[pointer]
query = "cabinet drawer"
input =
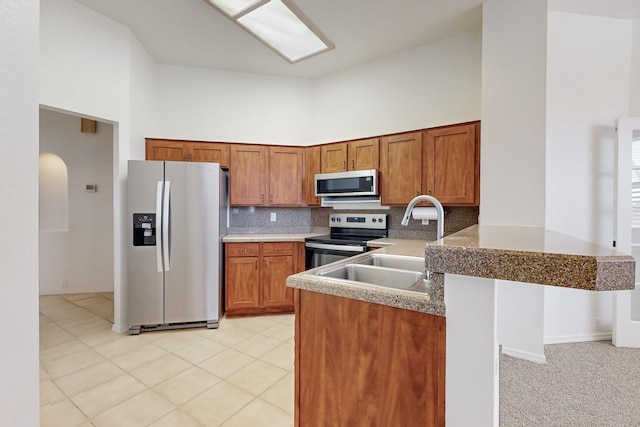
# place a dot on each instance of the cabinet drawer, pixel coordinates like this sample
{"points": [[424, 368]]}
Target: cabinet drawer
{"points": [[277, 248], [243, 249]]}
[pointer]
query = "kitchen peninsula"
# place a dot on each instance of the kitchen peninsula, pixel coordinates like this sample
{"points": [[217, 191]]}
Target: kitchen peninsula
{"points": [[380, 355]]}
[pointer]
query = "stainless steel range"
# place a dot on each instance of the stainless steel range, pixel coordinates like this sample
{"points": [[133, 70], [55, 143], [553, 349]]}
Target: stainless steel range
{"points": [[349, 236]]}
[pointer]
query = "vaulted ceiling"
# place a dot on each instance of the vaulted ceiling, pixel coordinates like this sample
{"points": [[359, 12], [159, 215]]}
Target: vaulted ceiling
{"points": [[192, 33]]}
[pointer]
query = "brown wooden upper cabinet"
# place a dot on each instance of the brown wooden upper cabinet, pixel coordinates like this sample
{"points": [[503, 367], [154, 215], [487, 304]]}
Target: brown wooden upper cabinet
{"points": [[286, 176], [352, 155], [209, 152], [248, 175], [363, 154], [165, 149], [400, 168], [451, 164], [188, 151], [311, 167], [441, 162], [266, 175], [333, 157]]}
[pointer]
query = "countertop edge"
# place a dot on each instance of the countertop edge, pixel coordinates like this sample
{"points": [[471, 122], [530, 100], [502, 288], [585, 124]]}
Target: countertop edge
{"points": [[267, 237], [462, 253]]}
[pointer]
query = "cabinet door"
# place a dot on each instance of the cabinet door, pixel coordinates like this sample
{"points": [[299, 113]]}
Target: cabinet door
{"points": [[364, 154], [243, 283], [311, 168], [334, 157], [248, 175], [165, 149], [346, 373], [286, 176], [209, 152], [400, 168], [450, 164], [275, 270]]}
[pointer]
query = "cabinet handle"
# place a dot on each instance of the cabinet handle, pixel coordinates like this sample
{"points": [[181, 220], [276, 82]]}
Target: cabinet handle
{"points": [[184, 158], [271, 199], [417, 193], [263, 198], [344, 165], [190, 158], [256, 264], [353, 165]]}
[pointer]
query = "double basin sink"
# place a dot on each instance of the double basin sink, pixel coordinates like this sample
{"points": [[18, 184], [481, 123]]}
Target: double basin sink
{"points": [[380, 270]]}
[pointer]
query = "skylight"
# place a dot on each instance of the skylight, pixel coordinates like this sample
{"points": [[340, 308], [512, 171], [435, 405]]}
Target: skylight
{"points": [[278, 24]]}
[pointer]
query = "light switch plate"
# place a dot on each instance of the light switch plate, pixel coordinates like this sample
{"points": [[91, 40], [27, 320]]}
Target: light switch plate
{"points": [[273, 217]]}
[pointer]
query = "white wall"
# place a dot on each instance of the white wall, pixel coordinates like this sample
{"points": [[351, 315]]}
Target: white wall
{"points": [[588, 87], [427, 86], [19, 213], [142, 92], [93, 66], [84, 61], [82, 254], [212, 105], [634, 92], [513, 113], [512, 176]]}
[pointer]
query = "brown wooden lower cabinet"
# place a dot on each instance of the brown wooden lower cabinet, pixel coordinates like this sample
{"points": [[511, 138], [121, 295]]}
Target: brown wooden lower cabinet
{"points": [[364, 364], [256, 274]]}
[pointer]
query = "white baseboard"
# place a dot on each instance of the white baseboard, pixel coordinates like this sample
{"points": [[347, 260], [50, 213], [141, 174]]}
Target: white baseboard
{"points": [[532, 357], [594, 336], [74, 291], [119, 329]]}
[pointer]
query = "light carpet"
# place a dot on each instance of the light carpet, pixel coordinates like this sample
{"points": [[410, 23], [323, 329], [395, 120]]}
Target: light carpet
{"points": [[582, 384]]}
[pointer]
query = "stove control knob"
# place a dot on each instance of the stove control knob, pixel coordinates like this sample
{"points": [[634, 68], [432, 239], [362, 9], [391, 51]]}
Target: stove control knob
{"points": [[379, 220], [333, 219], [373, 220], [338, 219]]}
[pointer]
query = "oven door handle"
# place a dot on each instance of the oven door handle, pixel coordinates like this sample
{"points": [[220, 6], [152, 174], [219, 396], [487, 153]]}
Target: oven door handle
{"points": [[343, 248]]}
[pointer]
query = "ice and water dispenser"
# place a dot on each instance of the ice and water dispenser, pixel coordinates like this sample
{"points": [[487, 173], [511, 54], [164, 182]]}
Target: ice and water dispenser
{"points": [[144, 229]]}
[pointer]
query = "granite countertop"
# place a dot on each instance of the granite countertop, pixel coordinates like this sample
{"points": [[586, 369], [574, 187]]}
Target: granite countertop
{"points": [[267, 237], [531, 255], [430, 302], [521, 254]]}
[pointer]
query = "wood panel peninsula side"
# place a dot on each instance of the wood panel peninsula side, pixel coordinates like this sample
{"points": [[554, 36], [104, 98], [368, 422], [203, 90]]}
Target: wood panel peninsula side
{"points": [[376, 356]]}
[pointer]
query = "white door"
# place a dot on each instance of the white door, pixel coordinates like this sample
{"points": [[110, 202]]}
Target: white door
{"points": [[626, 326]]}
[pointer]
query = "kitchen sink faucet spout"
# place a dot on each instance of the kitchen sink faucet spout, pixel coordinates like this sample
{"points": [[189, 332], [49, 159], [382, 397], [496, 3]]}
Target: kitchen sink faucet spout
{"points": [[439, 212]]}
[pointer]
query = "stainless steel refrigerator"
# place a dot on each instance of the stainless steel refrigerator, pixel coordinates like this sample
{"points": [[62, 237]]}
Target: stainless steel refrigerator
{"points": [[178, 216]]}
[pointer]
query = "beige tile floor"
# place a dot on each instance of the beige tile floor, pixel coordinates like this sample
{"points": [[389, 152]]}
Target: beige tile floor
{"points": [[238, 375]]}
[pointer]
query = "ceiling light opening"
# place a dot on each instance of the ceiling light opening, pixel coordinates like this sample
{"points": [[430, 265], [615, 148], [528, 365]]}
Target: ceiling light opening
{"points": [[279, 24]]}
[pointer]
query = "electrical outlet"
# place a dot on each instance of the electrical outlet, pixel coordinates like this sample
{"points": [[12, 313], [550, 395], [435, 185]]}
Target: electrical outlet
{"points": [[596, 324], [273, 217]]}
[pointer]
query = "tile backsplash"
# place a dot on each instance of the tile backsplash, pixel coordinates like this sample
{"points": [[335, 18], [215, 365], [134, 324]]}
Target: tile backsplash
{"points": [[258, 220], [455, 219], [316, 220]]}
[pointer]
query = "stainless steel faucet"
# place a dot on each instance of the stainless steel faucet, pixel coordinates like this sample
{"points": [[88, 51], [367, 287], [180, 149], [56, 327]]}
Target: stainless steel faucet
{"points": [[439, 218], [439, 212]]}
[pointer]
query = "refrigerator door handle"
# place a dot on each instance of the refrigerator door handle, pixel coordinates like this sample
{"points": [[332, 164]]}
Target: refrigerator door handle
{"points": [[166, 221], [159, 220]]}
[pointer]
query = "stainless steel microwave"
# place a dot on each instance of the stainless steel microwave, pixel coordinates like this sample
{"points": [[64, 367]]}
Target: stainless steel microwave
{"points": [[351, 183]]}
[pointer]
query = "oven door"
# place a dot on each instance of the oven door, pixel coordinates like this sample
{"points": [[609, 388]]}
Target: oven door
{"points": [[318, 254]]}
